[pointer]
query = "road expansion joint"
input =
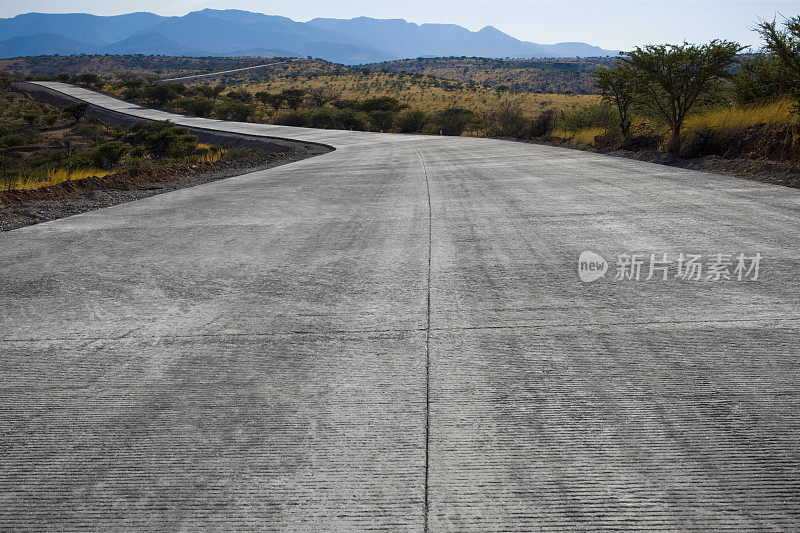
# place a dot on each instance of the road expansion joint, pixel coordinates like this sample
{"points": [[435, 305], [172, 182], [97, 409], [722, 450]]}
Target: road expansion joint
{"points": [[427, 343]]}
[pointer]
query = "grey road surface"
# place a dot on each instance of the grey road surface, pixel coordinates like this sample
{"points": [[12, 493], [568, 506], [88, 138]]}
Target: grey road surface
{"points": [[394, 336]]}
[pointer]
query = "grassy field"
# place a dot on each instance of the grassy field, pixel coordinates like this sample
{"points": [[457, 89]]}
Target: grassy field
{"points": [[721, 122], [110, 65], [562, 75], [425, 93], [740, 117]]}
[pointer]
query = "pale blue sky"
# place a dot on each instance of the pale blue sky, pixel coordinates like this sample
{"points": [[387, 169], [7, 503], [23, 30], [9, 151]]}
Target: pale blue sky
{"points": [[609, 23]]}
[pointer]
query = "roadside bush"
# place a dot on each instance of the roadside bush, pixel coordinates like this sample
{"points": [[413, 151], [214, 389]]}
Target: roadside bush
{"points": [[293, 118], [161, 93], [454, 120], [544, 123], [345, 104], [108, 155], [508, 121], [86, 130], [759, 79], [76, 111], [50, 119], [31, 117], [5, 129], [293, 98], [381, 103], [138, 152], [201, 107], [240, 96], [132, 93], [164, 139], [12, 139], [323, 117], [237, 111], [597, 115], [381, 120], [411, 121], [105, 156], [90, 79]]}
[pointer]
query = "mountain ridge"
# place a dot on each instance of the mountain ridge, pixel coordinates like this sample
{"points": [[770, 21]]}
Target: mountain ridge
{"points": [[211, 32]]}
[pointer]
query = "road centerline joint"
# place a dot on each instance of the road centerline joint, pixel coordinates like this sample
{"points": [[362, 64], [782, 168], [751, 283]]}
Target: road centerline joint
{"points": [[427, 345]]}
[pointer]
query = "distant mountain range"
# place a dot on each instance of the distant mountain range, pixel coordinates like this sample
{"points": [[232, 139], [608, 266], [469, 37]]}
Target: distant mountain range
{"points": [[237, 33]]}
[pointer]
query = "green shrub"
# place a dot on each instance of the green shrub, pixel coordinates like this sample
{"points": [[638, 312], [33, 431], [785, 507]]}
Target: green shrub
{"points": [[293, 118], [508, 120], [323, 117], [759, 79], [31, 117], [596, 115], [381, 103], [108, 155], [240, 96], [201, 107], [86, 129], [50, 119], [345, 104], [544, 123], [411, 121], [381, 120], [347, 119], [132, 93], [454, 120], [12, 139], [293, 98], [81, 160], [90, 79], [237, 111], [161, 93], [164, 139], [76, 111], [5, 129]]}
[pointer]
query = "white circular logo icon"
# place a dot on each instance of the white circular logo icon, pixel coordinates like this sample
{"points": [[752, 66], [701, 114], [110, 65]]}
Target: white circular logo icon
{"points": [[591, 267]]}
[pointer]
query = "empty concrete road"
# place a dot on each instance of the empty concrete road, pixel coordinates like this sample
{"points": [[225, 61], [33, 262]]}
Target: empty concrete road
{"points": [[393, 336]]}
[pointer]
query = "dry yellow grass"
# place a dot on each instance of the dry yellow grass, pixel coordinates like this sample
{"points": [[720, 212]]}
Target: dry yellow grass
{"points": [[425, 93], [585, 136], [211, 153], [54, 177], [721, 119], [739, 117]]}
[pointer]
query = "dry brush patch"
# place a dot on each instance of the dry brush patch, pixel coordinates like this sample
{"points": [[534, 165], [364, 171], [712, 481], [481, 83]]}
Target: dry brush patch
{"points": [[426, 93]]}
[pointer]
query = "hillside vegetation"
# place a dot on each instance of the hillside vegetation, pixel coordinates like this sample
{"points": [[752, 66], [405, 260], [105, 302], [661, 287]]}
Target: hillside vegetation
{"points": [[729, 104], [153, 68], [562, 75], [426, 93], [41, 145]]}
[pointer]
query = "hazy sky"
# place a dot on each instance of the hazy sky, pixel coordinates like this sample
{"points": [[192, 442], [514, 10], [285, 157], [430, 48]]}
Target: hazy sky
{"points": [[607, 23]]}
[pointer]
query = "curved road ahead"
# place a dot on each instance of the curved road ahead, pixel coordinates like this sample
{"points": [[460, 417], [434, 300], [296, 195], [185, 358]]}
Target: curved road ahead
{"points": [[393, 336]]}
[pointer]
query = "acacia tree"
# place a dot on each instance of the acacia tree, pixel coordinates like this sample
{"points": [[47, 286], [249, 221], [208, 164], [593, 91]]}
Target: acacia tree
{"points": [[263, 97], [76, 111], [618, 87], [319, 96], [785, 45], [293, 97], [273, 99], [672, 79]]}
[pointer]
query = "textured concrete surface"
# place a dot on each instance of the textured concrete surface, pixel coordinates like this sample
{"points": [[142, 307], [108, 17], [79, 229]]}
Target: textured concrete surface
{"points": [[393, 336]]}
